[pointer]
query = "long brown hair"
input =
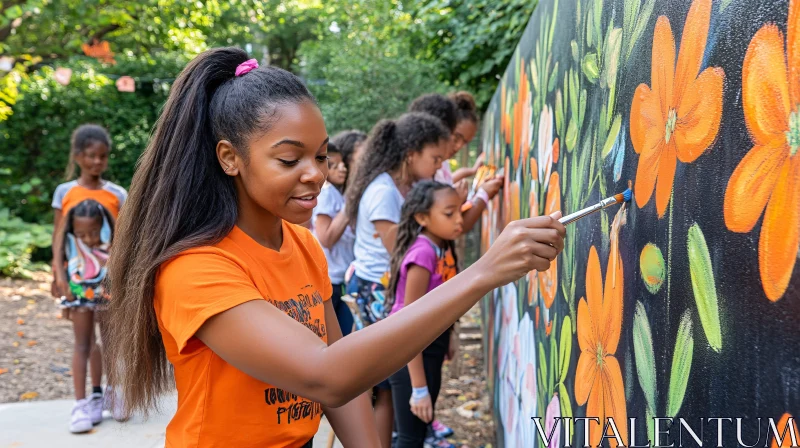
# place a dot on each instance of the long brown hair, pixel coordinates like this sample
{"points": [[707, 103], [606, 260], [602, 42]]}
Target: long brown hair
{"points": [[179, 199]]}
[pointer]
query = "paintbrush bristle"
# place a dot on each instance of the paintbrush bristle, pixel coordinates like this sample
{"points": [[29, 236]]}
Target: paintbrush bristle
{"points": [[625, 196]]}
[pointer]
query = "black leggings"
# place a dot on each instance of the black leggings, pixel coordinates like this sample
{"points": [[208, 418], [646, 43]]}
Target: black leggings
{"points": [[411, 431]]}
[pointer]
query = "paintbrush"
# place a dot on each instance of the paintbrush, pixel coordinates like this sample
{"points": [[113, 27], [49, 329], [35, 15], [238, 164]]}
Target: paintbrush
{"points": [[618, 198]]}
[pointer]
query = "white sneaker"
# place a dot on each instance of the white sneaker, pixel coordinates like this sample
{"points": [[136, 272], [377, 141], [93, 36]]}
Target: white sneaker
{"points": [[117, 407], [80, 422], [96, 408]]}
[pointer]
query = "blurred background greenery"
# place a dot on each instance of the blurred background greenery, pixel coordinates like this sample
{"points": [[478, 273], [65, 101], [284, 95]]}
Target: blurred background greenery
{"points": [[363, 59]]}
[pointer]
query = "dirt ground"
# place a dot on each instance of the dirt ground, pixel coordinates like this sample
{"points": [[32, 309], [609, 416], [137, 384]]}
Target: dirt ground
{"points": [[36, 352], [463, 403], [35, 343]]}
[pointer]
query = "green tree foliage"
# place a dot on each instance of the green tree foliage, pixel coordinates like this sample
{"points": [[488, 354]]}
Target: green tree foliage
{"points": [[472, 40], [360, 68]]}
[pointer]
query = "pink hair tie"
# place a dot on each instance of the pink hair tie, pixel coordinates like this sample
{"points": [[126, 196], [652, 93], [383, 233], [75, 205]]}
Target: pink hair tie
{"points": [[246, 66]]}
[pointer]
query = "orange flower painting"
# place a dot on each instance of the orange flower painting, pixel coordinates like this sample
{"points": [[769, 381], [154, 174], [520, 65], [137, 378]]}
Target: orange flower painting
{"points": [[598, 378], [678, 116], [768, 177], [787, 438], [523, 126], [548, 280]]}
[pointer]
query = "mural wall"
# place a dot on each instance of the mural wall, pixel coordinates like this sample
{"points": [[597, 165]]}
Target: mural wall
{"points": [[684, 302]]}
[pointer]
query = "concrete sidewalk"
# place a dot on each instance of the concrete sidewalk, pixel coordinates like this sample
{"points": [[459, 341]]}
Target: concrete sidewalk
{"points": [[45, 424]]}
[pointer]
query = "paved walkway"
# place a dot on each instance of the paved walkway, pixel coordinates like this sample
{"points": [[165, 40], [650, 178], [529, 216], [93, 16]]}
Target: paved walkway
{"points": [[45, 424]]}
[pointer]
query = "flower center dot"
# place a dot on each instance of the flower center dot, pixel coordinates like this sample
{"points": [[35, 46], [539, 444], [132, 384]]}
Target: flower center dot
{"points": [[599, 354], [672, 120]]}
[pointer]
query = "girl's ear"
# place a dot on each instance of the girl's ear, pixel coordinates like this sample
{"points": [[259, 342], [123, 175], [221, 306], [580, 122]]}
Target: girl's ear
{"points": [[227, 158], [422, 219]]}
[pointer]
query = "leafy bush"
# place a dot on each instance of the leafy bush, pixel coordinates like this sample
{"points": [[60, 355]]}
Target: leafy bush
{"points": [[35, 140], [18, 240], [472, 40]]}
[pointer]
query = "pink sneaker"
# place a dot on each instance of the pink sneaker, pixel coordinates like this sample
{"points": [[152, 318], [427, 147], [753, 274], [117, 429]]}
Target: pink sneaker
{"points": [[441, 429]]}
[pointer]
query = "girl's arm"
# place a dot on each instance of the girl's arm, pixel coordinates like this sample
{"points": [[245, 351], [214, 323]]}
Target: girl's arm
{"points": [[264, 342], [473, 215], [353, 423], [463, 173], [328, 230], [387, 231], [417, 281], [59, 286]]}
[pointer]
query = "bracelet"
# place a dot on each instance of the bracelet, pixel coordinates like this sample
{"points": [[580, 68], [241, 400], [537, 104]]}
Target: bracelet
{"points": [[419, 392], [482, 195]]}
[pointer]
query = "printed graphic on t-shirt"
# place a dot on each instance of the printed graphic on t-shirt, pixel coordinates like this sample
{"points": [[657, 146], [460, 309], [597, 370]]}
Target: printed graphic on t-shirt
{"points": [[446, 266], [288, 407], [299, 309]]}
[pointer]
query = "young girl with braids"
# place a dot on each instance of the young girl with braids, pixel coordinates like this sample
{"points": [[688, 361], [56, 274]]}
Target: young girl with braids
{"points": [[218, 292], [423, 259]]}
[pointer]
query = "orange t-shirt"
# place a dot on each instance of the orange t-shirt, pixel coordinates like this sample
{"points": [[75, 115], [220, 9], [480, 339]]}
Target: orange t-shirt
{"points": [[69, 194], [219, 405]]}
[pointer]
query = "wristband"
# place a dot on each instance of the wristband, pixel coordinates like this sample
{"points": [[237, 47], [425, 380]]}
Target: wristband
{"points": [[419, 392], [482, 195]]}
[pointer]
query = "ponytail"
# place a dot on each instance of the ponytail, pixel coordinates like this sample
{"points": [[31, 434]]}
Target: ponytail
{"points": [[381, 145]]}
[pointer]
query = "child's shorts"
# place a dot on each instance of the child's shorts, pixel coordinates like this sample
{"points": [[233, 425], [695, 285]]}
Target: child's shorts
{"points": [[369, 299], [86, 297]]}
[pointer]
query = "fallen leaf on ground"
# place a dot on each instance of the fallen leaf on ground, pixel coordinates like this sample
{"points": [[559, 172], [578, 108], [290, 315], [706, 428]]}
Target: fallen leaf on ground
{"points": [[20, 321], [2, 371], [31, 301], [16, 361], [15, 343], [17, 371], [29, 395], [32, 343], [20, 333]]}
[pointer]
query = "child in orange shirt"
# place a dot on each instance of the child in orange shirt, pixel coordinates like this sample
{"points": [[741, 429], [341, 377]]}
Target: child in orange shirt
{"points": [[89, 148], [211, 273]]}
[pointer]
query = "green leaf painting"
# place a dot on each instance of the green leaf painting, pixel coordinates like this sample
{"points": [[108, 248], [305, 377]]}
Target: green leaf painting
{"points": [[681, 366], [612, 135], [645, 359], [565, 348], [704, 287]]}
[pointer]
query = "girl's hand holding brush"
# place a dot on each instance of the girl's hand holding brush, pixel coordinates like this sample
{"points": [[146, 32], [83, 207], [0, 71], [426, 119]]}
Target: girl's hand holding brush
{"points": [[523, 246]]}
